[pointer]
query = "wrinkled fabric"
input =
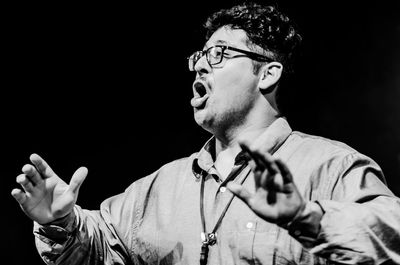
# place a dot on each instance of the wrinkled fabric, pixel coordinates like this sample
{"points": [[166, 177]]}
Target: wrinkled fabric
{"points": [[156, 220]]}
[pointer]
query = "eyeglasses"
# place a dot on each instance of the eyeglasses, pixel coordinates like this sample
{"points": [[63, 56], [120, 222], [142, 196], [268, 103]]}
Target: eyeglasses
{"points": [[215, 55]]}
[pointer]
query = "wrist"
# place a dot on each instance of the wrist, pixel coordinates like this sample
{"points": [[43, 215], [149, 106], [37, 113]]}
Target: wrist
{"points": [[63, 221], [67, 222], [57, 231], [300, 211], [306, 225]]}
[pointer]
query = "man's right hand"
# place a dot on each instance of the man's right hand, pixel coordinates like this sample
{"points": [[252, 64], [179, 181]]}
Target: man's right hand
{"points": [[45, 196]]}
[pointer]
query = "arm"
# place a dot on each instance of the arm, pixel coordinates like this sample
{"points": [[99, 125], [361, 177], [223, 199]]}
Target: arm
{"points": [[360, 223], [66, 234], [83, 237], [368, 211]]}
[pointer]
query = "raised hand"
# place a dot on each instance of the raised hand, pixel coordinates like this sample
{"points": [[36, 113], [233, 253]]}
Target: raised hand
{"points": [[45, 196], [276, 199]]}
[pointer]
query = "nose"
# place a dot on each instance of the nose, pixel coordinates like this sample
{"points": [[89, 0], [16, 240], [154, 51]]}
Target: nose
{"points": [[202, 66]]}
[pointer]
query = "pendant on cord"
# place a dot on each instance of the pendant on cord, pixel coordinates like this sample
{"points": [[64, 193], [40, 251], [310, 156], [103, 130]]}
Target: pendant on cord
{"points": [[209, 238]]}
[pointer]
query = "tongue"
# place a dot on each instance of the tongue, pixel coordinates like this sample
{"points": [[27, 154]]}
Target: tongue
{"points": [[198, 101]]}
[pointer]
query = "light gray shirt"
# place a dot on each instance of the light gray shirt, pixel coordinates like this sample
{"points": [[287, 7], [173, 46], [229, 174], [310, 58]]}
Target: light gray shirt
{"points": [[156, 220]]}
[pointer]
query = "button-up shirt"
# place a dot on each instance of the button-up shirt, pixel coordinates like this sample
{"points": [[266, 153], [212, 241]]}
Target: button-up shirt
{"points": [[156, 220]]}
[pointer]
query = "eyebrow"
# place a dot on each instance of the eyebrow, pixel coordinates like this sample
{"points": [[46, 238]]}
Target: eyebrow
{"points": [[221, 42], [216, 43]]}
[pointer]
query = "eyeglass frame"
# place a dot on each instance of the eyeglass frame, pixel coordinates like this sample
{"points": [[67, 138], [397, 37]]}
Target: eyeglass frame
{"points": [[249, 54]]}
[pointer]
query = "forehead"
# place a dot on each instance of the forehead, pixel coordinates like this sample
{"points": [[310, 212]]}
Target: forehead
{"points": [[227, 36]]}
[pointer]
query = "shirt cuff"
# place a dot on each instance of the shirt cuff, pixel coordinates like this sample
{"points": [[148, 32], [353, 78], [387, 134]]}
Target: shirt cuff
{"points": [[306, 226], [56, 231]]}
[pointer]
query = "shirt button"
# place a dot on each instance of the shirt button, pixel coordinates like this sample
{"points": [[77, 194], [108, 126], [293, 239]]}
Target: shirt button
{"points": [[297, 232], [249, 225], [222, 189]]}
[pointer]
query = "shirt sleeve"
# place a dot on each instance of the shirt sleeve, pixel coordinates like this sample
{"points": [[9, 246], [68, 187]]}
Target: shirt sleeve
{"points": [[359, 223], [91, 237]]}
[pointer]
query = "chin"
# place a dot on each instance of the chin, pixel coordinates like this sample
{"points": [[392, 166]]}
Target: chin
{"points": [[202, 120]]}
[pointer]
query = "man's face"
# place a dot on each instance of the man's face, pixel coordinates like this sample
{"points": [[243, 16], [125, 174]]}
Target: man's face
{"points": [[225, 94]]}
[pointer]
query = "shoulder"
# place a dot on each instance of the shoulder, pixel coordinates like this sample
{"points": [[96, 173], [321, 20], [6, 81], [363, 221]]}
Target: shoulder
{"points": [[180, 164], [319, 144], [168, 174], [322, 162], [168, 177], [311, 152]]}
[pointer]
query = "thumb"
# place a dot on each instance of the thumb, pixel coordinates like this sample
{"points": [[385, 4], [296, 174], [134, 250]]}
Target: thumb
{"points": [[77, 179], [239, 191]]}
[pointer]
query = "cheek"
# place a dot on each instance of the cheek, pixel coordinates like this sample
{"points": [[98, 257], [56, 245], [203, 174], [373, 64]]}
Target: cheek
{"points": [[238, 76], [234, 85], [237, 88], [230, 100]]}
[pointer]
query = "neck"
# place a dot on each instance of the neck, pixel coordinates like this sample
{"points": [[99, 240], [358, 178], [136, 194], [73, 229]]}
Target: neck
{"points": [[230, 144], [228, 140], [227, 147]]}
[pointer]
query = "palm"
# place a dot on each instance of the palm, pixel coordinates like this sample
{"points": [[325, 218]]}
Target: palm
{"points": [[275, 206], [49, 201], [46, 197]]}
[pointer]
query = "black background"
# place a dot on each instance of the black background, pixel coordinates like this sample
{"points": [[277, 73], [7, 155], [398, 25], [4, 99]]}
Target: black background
{"points": [[106, 86]]}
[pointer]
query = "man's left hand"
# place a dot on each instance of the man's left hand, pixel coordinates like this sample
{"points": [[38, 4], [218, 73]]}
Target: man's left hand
{"points": [[276, 198]]}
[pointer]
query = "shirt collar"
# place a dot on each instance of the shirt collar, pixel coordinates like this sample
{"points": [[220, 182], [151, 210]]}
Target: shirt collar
{"points": [[269, 141]]}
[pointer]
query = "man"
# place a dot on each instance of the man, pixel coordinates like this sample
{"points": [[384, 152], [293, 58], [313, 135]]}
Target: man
{"points": [[302, 199]]}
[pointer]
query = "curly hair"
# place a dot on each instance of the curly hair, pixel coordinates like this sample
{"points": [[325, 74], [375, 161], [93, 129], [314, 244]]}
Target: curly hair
{"points": [[265, 26]]}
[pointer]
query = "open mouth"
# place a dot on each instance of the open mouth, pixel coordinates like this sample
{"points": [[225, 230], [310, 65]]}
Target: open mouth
{"points": [[200, 95], [200, 89]]}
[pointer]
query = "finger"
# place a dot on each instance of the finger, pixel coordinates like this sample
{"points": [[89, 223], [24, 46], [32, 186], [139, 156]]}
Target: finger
{"points": [[272, 184], [271, 197], [262, 159], [18, 195], [270, 178], [240, 192], [273, 180], [246, 148], [285, 172], [77, 179], [43, 168], [269, 162], [266, 174], [25, 182], [262, 175], [267, 183], [256, 174], [277, 182], [31, 172]]}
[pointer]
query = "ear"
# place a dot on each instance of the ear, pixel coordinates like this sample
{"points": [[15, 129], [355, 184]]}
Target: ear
{"points": [[269, 76]]}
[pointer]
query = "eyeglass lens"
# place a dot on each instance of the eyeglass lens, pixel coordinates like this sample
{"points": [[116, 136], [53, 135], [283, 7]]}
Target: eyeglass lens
{"points": [[213, 56]]}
